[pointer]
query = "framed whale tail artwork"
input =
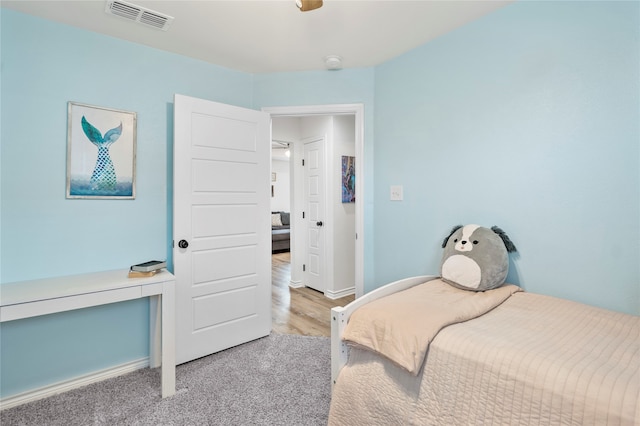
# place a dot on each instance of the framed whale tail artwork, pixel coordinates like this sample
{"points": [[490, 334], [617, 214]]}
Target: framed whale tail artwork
{"points": [[101, 152]]}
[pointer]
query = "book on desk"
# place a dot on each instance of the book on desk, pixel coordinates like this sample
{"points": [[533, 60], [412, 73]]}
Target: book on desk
{"points": [[146, 269]]}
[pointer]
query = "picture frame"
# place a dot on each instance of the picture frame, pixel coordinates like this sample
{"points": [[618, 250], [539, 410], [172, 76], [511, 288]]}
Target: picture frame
{"points": [[348, 179], [101, 152]]}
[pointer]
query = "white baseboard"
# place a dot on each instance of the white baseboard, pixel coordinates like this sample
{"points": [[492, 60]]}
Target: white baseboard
{"points": [[342, 293], [67, 385], [295, 284]]}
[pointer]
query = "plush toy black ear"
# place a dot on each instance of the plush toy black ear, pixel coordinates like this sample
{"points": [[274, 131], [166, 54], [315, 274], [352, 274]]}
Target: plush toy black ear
{"points": [[455, 228], [511, 248]]}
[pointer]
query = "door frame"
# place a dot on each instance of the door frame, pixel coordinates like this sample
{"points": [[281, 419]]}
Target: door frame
{"points": [[342, 109]]}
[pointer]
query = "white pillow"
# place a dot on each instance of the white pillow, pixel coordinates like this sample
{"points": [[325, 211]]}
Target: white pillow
{"points": [[275, 219]]}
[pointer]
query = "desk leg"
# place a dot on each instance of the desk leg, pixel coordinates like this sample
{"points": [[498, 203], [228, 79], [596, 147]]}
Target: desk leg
{"points": [[155, 329], [168, 339]]}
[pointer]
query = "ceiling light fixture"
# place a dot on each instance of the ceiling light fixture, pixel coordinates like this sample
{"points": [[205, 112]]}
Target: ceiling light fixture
{"points": [[333, 62], [276, 144], [306, 5]]}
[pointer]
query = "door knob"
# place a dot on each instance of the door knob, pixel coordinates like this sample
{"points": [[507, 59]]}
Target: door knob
{"points": [[183, 244], [319, 223]]}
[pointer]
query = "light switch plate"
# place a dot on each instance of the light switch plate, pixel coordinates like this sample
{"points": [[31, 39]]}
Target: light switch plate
{"points": [[396, 193]]}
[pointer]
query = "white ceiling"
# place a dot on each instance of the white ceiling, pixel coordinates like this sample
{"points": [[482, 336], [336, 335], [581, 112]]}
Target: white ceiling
{"points": [[273, 35]]}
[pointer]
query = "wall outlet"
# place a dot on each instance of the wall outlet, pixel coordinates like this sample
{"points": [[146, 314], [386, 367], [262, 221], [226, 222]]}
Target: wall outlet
{"points": [[396, 193]]}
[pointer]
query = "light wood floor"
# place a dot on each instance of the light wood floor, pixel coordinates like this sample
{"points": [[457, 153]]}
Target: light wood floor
{"points": [[298, 310]]}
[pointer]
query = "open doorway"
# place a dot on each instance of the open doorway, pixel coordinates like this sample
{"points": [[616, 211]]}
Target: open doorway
{"points": [[294, 130], [341, 128]]}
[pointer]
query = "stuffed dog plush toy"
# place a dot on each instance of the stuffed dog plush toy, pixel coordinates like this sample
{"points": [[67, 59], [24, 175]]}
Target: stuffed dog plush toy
{"points": [[475, 258]]}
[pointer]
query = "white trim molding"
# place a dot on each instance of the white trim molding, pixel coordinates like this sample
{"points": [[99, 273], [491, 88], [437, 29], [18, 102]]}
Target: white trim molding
{"points": [[338, 294], [295, 284]]}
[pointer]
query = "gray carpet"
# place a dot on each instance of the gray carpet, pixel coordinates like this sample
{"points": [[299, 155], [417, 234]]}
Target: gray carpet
{"points": [[276, 380]]}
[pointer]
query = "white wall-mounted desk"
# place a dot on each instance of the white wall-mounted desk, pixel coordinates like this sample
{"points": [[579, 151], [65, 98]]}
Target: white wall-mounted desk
{"points": [[25, 299]]}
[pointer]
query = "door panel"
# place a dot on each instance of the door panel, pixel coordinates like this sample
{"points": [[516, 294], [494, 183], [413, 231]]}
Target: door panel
{"points": [[220, 308], [239, 220], [221, 208], [230, 133], [227, 176], [213, 265]]}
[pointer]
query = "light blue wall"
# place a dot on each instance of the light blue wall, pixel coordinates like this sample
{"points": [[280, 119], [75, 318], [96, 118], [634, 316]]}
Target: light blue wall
{"points": [[527, 119], [349, 86], [44, 65]]}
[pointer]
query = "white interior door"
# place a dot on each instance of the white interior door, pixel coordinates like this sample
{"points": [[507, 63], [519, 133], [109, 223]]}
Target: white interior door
{"points": [[314, 214], [221, 226]]}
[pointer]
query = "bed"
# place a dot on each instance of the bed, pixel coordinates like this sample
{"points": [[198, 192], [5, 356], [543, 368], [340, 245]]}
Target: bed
{"points": [[404, 354]]}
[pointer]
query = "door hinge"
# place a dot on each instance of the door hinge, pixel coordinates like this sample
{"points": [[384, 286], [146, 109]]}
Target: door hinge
{"points": [[304, 267], [303, 162], [303, 215]]}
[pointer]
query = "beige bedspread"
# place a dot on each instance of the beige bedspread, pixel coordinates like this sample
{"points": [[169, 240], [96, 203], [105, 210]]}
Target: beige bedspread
{"points": [[533, 360], [402, 325]]}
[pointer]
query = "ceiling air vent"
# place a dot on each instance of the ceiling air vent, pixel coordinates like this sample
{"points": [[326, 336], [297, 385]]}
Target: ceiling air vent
{"points": [[139, 14]]}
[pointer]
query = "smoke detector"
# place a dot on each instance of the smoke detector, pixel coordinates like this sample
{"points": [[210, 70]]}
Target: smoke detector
{"points": [[139, 14], [333, 62]]}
